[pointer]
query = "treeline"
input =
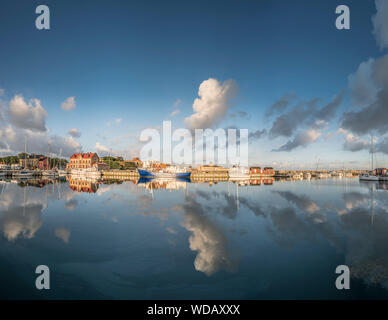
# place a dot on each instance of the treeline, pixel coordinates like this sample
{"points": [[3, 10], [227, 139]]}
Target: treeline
{"points": [[118, 163], [10, 160], [54, 162]]}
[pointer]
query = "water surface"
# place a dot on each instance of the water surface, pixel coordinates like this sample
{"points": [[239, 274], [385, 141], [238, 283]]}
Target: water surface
{"points": [[179, 240]]}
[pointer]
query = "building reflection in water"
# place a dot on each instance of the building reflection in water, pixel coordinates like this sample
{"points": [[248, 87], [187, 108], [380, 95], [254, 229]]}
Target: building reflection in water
{"points": [[83, 184]]}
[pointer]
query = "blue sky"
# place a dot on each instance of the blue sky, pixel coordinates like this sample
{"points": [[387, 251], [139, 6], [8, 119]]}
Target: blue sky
{"points": [[132, 60]]}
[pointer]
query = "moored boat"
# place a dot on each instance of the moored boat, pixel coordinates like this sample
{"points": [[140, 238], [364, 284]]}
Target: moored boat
{"points": [[238, 173], [89, 172], [23, 174], [368, 177]]}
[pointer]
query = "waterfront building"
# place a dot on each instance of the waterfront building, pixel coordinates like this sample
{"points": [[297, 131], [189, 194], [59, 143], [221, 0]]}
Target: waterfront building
{"points": [[269, 171], [255, 170], [380, 171], [210, 173], [83, 160], [43, 163], [30, 161]]}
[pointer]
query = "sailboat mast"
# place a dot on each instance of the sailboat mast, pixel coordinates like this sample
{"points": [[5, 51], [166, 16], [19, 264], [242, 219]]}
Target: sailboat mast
{"points": [[372, 150]]}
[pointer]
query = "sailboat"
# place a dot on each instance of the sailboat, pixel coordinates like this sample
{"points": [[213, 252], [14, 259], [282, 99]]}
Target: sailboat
{"points": [[50, 172], [370, 176]]}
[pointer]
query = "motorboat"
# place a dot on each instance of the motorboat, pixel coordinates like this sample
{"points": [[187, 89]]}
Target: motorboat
{"points": [[89, 172], [238, 173]]}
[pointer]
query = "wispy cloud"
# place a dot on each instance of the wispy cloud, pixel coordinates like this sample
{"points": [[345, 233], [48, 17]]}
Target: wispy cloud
{"points": [[177, 103], [175, 112]]}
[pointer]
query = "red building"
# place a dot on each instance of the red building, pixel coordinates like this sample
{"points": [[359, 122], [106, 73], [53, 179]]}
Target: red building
{"points": [[268, 171], [381, 171], [43, 163], [255, 170]]}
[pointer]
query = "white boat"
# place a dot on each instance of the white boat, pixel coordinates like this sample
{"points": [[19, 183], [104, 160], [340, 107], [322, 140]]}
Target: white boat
{"points": [[23, 174], [49, 173], [89, 172], [307, 175], [238, 173], [368, 177], [62, 173]]}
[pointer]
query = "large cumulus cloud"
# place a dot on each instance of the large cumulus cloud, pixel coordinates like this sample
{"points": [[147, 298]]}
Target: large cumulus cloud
{"points": [[29, 115], [23, 122], [212, 104]]}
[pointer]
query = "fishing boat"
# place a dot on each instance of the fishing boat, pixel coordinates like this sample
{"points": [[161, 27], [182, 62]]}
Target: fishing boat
{"points": [[168, 173], [182, 173], [145, 173]]}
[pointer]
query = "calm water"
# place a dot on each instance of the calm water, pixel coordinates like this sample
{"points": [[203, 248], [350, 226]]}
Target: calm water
{"points": [[183, 240]]}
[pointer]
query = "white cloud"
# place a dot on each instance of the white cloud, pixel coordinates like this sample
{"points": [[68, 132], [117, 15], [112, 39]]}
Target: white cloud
{"points": [[212, 104], [118, 120], [380, 23], [101, 148], [2, 91], [74, 132], [68, 104], [27, 116]]}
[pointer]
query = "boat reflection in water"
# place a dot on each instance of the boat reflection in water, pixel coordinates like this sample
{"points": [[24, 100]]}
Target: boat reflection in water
{"points": [[155, 238]]}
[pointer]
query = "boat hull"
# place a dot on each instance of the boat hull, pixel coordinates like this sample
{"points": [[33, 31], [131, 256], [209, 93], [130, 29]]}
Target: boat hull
{"points": [[145, 173], [183, 175], [369, 178]]}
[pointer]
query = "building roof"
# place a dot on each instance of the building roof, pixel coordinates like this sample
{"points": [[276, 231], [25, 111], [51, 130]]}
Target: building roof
{"points": [[87, 155]]}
